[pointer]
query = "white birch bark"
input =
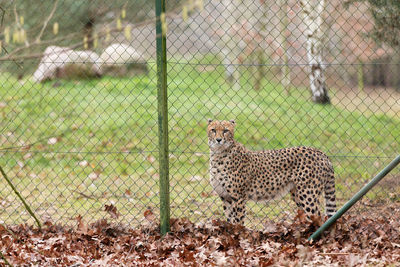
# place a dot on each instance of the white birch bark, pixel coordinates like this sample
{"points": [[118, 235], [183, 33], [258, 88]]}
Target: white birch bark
{"points": [[260, 13], [312, 11], [284, 43], [229, 41]]}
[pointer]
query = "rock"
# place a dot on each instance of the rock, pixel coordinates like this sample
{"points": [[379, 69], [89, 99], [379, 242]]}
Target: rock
{"points": [[122, 60], [120, 54], [63, 62]]}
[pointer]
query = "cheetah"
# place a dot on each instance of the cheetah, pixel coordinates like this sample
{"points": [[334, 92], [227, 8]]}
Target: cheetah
{"points": [[238, 174]]}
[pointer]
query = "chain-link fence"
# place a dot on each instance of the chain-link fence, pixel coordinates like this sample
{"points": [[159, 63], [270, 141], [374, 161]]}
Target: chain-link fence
{"points": [[78, 101]]}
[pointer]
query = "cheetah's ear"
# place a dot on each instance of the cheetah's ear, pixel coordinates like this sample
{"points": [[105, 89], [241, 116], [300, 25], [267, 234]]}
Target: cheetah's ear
{"points": [[233, 122], [209, 121]]}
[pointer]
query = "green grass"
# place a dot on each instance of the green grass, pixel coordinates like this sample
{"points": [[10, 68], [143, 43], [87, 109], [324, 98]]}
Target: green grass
{"points": [[112, 125]]}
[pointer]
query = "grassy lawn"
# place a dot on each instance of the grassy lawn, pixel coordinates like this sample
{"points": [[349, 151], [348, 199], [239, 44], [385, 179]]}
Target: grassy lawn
{"points": [[95, 142]]}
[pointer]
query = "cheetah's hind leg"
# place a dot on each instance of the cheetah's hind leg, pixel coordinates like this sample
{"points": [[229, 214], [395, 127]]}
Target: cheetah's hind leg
{"points": [[307, 202], [235, 210]]}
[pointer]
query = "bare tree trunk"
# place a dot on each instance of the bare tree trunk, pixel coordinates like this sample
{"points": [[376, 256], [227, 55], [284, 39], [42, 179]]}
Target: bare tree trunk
{"points": [[230, 41], [260, 73], [263, 14], [312, 13], [284, 42], [88, 29], [260, 48], [395, 68], [360, 76]]}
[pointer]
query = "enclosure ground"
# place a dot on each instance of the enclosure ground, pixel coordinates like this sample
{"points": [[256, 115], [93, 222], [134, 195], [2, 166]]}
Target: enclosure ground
{"points": [[73, 147], [366, 238]]}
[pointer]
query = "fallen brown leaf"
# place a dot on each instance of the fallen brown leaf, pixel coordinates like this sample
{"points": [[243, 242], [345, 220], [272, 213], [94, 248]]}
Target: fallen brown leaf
{"points": [[112, 210]]}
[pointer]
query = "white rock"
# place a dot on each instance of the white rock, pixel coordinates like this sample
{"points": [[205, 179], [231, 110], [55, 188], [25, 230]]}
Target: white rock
{"points": [[120, 54], [120, 60], [56, 58]]}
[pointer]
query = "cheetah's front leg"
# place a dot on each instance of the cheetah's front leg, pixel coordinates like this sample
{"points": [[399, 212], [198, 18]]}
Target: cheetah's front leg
{"points": [[235, 210]]}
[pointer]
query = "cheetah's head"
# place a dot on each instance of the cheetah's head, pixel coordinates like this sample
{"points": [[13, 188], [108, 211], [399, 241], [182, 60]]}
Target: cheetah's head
{"points": [[220, 134]]}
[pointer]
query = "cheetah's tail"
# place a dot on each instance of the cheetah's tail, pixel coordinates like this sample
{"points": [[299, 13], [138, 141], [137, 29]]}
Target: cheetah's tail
{"points": [[330, 199]]}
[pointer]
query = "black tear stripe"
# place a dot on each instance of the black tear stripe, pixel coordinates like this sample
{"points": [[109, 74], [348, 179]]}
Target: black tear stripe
{"points": [[227, 199]]}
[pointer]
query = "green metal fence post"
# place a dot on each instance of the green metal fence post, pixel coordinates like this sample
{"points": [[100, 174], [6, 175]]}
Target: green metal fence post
{"points": [[355, 198], [162, 115]]}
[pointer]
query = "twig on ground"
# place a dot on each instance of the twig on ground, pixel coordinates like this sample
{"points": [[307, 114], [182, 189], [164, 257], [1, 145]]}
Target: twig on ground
{"points": [[20, 197], [8, 231], [334, 254], [5, 260], [85, 195]]}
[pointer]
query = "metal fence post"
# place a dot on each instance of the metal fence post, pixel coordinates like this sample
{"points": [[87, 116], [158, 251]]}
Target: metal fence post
{"points": [[162, 115], [355, 198]]}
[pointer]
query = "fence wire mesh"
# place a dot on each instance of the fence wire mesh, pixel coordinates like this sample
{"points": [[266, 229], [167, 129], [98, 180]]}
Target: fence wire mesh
{"points": [[78, 101]]}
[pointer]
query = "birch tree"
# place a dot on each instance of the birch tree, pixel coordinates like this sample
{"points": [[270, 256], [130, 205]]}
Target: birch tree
{"points": [[312, 11], [228, 42], [260, 13], [283, 8]]}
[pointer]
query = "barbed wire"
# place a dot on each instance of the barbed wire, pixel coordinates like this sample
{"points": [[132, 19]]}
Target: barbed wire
{"points": [[36, 56], [280, 64], [171, 151]]}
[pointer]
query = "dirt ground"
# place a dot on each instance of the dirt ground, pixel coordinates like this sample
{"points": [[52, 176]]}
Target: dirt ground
{"points": [[365, 238], [370, 100]]}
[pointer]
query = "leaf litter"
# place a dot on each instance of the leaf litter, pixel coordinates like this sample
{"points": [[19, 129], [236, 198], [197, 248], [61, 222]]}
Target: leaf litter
{"points": [[358, 239]]}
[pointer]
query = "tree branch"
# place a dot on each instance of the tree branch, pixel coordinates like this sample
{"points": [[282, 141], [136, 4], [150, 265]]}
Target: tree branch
{"points": [[18, 24], [10, 56], [46, 22], [2, 15], [73, 46], [62, 38]]}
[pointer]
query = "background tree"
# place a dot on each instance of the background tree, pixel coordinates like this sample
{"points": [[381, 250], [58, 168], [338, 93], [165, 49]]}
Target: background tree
{"points": [[284, 36], [386, 30], [313, 11], [30, 26], [227, 28], [261, 50], [386, 16]]}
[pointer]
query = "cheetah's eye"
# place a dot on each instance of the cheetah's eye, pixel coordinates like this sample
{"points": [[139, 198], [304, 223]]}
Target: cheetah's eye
{"points": [[225, 131], [213, 130]]}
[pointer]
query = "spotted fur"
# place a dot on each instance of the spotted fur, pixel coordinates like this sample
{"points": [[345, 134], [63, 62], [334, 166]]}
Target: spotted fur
{"points": [[238, 174]]}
